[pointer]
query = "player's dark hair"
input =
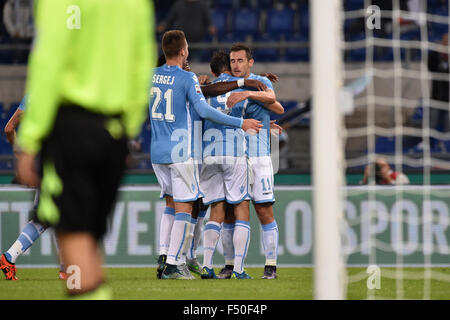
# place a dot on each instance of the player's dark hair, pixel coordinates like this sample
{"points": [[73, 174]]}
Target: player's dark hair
{"points": [[172, 42], [220, 62], [161, 60], [241, 46]]}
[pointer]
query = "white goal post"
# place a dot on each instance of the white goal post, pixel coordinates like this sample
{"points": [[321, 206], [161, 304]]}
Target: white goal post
{"points": [[327, 164]]}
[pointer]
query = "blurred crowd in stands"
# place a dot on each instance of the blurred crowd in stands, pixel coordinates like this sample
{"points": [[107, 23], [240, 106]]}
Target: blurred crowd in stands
{"points": [[283, 26]]}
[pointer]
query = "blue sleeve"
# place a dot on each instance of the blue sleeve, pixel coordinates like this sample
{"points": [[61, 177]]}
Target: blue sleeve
{"points": [[23, 104], [205, 111], [267, 82]]}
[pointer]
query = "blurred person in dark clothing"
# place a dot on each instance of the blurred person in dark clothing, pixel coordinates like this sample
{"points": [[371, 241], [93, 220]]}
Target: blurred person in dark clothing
{"points": [[193, 17], [438, 63]]}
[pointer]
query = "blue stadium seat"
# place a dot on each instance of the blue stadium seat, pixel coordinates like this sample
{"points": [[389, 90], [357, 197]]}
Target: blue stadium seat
{"points": [[161, 15], [441, 10], [5, 147], [358, 54], [264, 4], [3, 118], [245, 21], [385, 145], [266, 54], [383, 54], [145, 137], [6, 57], [287, 105], [280, 21], [411, 35], [228, 4], [297, 54], [304, 21], [353, 27], [434, 36], [232, 37], [350, 5], [433, 4], [219, 18], [13, 109], [6, 165], [438, 29], [447, 145]]}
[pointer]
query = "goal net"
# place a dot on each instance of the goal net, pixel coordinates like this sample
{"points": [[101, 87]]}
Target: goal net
{"points": [[388, 78]]}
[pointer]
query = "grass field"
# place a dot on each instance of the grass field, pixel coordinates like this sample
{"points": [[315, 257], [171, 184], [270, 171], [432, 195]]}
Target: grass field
{"points": [[141, 283]]}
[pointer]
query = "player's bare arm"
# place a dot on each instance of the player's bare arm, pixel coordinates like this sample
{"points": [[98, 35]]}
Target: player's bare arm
{"points": [[218, 88], [251, 124], [204, 80], [272, 77], [266, 97], [13, 123], [276, 107], [26, 170]]}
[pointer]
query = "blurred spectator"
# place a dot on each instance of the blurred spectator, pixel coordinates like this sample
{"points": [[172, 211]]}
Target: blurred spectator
{"points": [[384, 175], [18, 18], [19, 24], [193, 17], [438, 62]]}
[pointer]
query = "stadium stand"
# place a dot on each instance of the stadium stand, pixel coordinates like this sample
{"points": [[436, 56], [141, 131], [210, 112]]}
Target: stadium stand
{"points": [[262, 20], [245, 21], [280, 22], [275, 21]]}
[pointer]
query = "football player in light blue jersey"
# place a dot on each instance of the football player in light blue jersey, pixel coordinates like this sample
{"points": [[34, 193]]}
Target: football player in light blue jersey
{"points": [[259, 155], [225, 175], [199, 210], [32, 230], [171, 143]]}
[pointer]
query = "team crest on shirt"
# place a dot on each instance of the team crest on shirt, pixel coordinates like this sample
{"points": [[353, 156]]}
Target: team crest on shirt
{"points": [[197, 89]]}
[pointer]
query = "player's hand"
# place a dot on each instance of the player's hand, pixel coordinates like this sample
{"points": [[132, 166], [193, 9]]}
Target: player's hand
{"points": [[251, 126], [236, 97], [252, 83], [274, 126], [186, 66], [26, 172], [204, 79], [272, 77]]}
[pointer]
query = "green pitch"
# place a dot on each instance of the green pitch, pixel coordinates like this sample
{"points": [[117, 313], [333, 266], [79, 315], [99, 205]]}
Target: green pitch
{"points": [[141, 283]]}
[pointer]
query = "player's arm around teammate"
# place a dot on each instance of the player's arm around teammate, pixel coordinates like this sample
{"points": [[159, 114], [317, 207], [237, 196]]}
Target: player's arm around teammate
{"points": [[178, 175], [263, 195]]}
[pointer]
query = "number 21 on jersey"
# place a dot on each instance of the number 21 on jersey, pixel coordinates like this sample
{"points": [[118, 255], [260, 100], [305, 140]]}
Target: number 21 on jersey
{"points": [[158, 94]]}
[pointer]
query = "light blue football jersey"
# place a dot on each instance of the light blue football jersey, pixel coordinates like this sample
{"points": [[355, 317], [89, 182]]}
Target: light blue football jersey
{"points": [[173, 95], [197, 135], [220, 140], [259, 145]]}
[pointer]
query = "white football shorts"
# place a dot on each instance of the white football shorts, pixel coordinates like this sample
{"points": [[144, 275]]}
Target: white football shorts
{"points": [[262, 187], [225, 178], [179, 180]]}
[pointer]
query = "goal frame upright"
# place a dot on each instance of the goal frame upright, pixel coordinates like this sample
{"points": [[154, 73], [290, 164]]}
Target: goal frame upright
{"points": [[326, 144]]}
